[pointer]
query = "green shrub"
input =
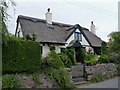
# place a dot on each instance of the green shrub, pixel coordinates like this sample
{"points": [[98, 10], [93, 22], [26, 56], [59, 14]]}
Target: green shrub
{"points": [[91, 62], [52, 47], [60, 76], [114, 58], [82, 55], [90, 57], [118, 69], [65, 59], [53, 60], [36, 78], [10, 81], [21, 56], [97, 79], [104, 59], [70, 53], [28, 37]]}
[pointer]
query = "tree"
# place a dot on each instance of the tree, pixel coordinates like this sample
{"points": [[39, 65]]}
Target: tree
{"points": [[114, 47], [4, 5], [103, 47]]}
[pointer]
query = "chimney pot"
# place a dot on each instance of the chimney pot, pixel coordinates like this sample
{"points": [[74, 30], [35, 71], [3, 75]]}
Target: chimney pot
{"points": [[48, 9], [92, 22]]}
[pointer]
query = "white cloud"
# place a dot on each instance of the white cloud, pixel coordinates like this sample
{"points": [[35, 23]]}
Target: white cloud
{"points": [[66, 0]]}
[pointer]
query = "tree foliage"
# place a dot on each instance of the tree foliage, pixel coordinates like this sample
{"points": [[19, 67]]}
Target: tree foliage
{"points": [[104, 47], [4, 5], [114, 47]]}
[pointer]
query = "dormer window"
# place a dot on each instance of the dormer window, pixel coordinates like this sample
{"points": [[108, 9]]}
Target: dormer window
{"points": [[78, 36]]}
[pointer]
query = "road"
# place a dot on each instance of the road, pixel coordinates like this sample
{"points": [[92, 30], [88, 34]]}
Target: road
{"points": [[111, 83]]}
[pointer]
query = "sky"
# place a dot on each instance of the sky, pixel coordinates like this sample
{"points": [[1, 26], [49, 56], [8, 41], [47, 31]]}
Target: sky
{"points": [[104, 13]]}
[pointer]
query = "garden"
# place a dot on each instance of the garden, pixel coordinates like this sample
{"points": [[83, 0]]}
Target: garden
{"points": [[23, 57]]}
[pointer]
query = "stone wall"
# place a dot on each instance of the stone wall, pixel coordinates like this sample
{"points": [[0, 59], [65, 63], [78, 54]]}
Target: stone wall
{"points": [[104, 71], [45, 81]]}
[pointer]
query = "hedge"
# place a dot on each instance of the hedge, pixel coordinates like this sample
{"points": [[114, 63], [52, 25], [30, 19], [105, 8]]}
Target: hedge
{"points": [[21, 56]]}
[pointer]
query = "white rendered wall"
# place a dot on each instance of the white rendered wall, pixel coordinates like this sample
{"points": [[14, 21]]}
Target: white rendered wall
{"points": [[83, 42], [19, 30], [46, 49]]}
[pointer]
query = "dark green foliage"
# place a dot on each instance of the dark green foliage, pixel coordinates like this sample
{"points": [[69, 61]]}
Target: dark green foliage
{"points": [[114, 47], [53, 66], [82, 54], [114, 58], [118, 69], [36, 78], [52, 47], [10, 81], [28, 37], [21, 56], [104, 47], [33, 37], [104, 59], [4, 6], [60, 76], [65, 59], [90, 57], [97, 79], [91, 62], [70, 53], [53, 60]]}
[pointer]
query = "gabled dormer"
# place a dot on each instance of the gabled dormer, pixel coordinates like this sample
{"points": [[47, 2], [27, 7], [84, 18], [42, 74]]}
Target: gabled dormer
{"points": [[77, 35]]}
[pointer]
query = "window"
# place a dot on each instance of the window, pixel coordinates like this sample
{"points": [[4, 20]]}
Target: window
{"points": [[41, 49], [78, 36]]}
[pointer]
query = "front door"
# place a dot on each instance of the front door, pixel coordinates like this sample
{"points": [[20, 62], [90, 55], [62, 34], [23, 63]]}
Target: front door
{"points": [[78, 53]]}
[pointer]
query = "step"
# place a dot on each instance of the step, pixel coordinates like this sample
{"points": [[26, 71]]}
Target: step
{"points": [[79, 83], [78, 79]]}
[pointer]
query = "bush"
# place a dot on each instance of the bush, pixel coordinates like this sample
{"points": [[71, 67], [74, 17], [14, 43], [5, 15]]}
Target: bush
{"points": [[104, 59], [60, 76], [114, 58], [65, 59], [97, 79], [91, 62], [36, 78], [10, 81], [118, 69], [53, 60], [70, 53], [54, 67], [21, 56], [90, 57]]}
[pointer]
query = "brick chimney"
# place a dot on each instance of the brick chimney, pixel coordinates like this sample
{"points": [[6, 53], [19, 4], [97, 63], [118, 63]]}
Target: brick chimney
{"points": [[48, 16]]}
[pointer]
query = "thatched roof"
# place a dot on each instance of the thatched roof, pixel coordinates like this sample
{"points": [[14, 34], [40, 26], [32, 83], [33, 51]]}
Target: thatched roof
{"points": [[55, 33]]}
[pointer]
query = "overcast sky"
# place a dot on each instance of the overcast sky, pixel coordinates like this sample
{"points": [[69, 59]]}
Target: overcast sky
{"points": [[104, 13]]}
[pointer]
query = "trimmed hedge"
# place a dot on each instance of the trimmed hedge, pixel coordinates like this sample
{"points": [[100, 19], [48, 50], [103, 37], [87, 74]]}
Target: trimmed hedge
{"points": [[21, 56]]}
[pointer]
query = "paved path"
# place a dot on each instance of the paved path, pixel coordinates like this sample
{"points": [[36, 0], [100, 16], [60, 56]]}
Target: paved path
{"points": [[111, 83]]}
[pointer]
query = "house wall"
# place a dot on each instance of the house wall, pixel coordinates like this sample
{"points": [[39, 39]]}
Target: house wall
{"points": [[46, 49], [19, 30], [72, 37]]}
